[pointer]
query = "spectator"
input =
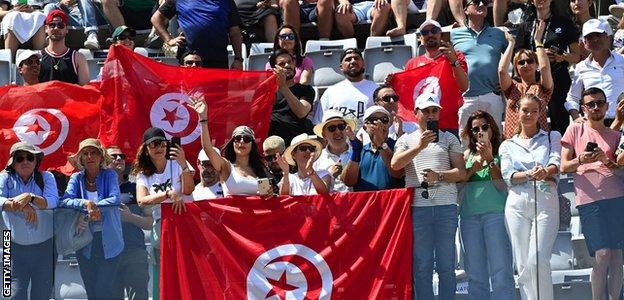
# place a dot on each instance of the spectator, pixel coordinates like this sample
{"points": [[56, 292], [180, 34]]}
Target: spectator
{"points": [[124, 35], [133, 13], [319, 11], [58, 62], [560, 35], [581, 14], [27, 197], [302, 154], [132, 272], [293, 101], [191, 59], [259, 12], [368, 168], [351, 12], [351, 96], [525, 65], [209, 186], [618, 122], [288, 39], [207, 27], [529, 164], [82, 13], [432, 166], [272, 146], [482, 213], [599, 193], [602, 69], [452, 11], [96, 189], [23, 24], [482, 46], [618, 38], [438, 51], [161, 177], [335, 156], [28, 64], [241, 168]]}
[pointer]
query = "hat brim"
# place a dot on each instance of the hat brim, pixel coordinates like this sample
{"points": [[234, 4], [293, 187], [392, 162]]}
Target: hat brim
{"points": [[288, 152], [74, 159], [38, 155], [318, 129], [155, 138], [596, 30]]}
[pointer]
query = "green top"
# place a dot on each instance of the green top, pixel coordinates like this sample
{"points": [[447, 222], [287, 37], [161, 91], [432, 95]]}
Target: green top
{"points": [[139, 5], [480, 195]]}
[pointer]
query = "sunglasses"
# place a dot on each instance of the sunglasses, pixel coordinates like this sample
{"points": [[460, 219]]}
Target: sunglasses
{"points": [[483, 127], [245, 138], [156, 144], [340, 127], [118, 156], [433, 30], [425, 193], [125, 37], [595, 104], [522, 62], [390, 98], [287, 37], [384, 120], [21, 158], [480, 3], [303, 148], [59, 25], [271, 157], [192, 63], [32, 62]]}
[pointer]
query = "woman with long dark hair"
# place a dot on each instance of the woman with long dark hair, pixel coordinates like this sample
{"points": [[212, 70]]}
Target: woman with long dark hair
{"points": [[288, 39]]}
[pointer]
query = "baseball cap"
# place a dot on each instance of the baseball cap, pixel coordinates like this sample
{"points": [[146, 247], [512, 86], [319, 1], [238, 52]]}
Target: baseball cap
{"points": [[26, 54], [375, 109], [153, 134], [57, 13], [204, 157], [596, 26], [429, 22], [427, 99], [119, 30], [349, 51]]}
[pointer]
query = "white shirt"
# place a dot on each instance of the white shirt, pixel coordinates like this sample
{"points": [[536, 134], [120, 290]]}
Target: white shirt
{"points": [[328, 159], [212, 192], [609, 78], [169, 179], [350, 98], [96, 226], [304, 186]]}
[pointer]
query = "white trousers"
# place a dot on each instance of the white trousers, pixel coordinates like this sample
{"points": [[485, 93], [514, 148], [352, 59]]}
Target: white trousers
{"points": [[490, 102], [520, 220]]}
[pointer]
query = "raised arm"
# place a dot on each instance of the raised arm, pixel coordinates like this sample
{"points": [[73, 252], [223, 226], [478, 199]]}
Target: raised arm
{"points": [[503, 64], [542, 58], [220, 164]]}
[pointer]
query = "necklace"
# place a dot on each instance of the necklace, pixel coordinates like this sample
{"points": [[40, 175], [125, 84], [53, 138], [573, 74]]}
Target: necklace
{"points": [[55, 60], [90, 183]]}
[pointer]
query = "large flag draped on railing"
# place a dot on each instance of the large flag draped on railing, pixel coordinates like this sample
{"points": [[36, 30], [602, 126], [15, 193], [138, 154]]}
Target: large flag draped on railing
{"points": [[341, 246], [435, 77], [53, 116], [139, 93]]}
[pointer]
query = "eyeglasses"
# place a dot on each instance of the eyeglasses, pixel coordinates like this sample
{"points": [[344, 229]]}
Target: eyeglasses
{"points": [[483, 127], [21, 158], [479, 3], [384, 120], [390, 98], [118, 156], [125, 37], [271, 157], [192, 62], [340, 127], [59, 25], [425, 193], [433, 30], [595, 104], [287, 37], [156, 144], [304, 148], [32, 62], [245, 138], [522, 62]]}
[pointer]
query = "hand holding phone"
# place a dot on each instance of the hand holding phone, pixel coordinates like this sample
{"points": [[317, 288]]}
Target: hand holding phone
{"points": [[175, 142], [264, 186], [591, 147], [433, 126]]}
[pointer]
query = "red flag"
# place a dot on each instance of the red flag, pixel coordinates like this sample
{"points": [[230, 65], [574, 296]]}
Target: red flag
{"points": [[436, 77], [53, 116], [140, 93], [342, 245]]}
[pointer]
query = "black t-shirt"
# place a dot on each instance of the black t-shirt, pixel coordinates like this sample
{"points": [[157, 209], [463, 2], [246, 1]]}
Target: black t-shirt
{"points": [[284, 122]]}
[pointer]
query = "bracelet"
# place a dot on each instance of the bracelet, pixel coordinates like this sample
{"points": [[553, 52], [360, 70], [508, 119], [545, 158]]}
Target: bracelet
{"points": [[203, 121], [539, 45]]}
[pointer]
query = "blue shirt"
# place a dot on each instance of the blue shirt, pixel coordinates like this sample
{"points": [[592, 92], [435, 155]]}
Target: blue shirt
{"points": [[540, 151], [373, 173], [22, 232], [483, 52], [107, 188]]}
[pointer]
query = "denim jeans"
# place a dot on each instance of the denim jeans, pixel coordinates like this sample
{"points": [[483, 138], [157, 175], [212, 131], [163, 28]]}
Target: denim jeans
{"points": [[32, 264], [86, 14], [133, 273], [434, 242], [99, 273], [488, 256]]}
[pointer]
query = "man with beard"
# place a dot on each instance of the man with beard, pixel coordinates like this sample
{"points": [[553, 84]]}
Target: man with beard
{"points": [[335, 156], [272, 147], [386, 97], [28, 64], [589, 150], [209, 186], [58, 62], [351, 96], [293, 101]]}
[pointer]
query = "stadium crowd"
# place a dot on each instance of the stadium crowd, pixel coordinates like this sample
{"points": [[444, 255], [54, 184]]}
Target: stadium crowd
{"points": [[494, 175]]}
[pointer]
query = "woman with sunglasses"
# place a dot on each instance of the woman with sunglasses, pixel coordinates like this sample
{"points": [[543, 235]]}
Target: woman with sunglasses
{"points": [[482, 212], [303, 151], [529, 164], [241, 165], [287, 38], [526, 64], [27, 197], [96, 189]]}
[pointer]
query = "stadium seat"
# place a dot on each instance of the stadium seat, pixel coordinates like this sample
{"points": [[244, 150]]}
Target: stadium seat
{"points": [[562, 258], [383, 60], [326, 67], [258, 56], [6, 67], [315, 45], [95, 61], [582, 259], [572, 290], [149, 52], [230, 51]]}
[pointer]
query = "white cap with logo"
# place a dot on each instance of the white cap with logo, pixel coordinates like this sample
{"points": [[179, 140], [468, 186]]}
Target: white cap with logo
{"points": [[596, 26], [427, 99]]}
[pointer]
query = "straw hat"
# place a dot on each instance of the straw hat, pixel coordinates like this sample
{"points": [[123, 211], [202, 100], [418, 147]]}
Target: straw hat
{"points": [[303, 138], [329, 116], [90, 142]]}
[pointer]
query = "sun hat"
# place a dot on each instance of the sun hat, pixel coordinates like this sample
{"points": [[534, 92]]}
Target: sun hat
{"points": [[23, 146], [89, 142], [329, 116], [303, 138]]}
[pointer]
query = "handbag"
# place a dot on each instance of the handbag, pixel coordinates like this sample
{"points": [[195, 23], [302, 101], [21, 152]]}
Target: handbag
{"points": [[65, 224]]}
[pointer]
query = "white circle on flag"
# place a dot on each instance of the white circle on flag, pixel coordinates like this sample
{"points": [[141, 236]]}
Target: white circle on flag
{"points": [[176, 119], [430, 84], [267, 268], [44, 128]]}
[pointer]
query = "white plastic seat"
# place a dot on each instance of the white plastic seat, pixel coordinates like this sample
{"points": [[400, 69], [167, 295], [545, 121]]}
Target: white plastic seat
{"points": [[326, 67], [317, 45], [383, 60], [258, 56], [230, 51], [561, 257]]}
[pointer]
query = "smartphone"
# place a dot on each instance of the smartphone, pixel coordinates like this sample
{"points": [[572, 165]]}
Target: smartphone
{"points": [[556, 49], [175, 142], [433, 126], [591, 147], [264, 186], [482, 137]]}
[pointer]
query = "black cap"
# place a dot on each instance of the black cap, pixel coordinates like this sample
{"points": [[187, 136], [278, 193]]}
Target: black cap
{"points": [[349, 51], [153, 134]]}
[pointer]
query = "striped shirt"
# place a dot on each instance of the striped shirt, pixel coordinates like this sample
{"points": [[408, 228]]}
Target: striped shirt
{"points": [[435, 157]]}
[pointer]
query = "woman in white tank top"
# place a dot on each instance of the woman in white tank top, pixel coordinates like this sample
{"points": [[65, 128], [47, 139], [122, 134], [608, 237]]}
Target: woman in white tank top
{"points": [[241, 165]]}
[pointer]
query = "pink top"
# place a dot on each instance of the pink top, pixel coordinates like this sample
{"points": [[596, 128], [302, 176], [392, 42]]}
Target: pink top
{"points": [[306, 64], [594, 181]]}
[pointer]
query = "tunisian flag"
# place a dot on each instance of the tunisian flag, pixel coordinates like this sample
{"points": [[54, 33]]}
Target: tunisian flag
{"points": [[52, 116], [340, 246], [435, 77], [139, 93]]}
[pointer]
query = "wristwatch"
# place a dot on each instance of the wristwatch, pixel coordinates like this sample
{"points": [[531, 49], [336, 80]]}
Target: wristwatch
{"points": [[455, 63], [383, 146], [492, 164], [32, 197], [440, 177]]}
